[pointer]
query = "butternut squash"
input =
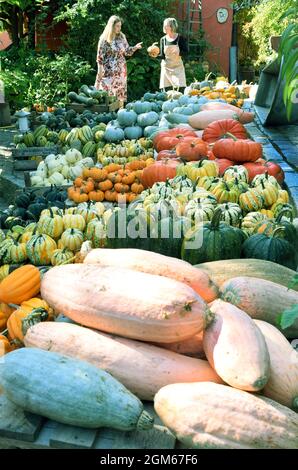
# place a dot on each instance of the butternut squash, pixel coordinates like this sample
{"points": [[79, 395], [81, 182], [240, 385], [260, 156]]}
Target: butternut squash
{"points": [[207, 415], [140, 367], [261, 299], [202, 119], [154, 263], [223, 270], [192, 347], [125, 302], [245, 117], [282, 385], [235, 348], [70, 391]]}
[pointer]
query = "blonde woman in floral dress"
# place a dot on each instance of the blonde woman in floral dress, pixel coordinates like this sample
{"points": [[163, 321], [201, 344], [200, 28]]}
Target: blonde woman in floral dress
{"points": [[112, 50]]}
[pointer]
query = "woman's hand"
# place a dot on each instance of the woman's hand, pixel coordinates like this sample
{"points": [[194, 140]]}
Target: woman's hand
{"points": [[139, 45]]}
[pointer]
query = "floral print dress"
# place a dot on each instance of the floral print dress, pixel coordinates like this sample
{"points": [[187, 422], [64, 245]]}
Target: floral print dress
{"points": [[112, 58]]}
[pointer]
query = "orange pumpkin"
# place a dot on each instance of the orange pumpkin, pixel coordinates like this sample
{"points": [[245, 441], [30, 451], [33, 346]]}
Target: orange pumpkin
{"points": [[5, 312], [192, 149], [105, 185], [159, 171], [242, 150], [29, 313], [97, 196], [5, 346], [20, 285]]}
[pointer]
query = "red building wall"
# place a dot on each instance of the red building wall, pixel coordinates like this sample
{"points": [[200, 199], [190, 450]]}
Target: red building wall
{"points": [[218, 35], [50, 37]]}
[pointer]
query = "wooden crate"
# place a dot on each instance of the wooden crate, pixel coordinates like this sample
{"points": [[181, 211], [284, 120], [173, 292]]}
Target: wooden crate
{"points": [[21, 157], [19, 429], [96, 108]]}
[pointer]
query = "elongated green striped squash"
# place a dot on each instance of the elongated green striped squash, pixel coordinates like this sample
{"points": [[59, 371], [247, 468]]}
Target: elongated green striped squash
{"points": [[70, 391], [261, 300], [223, 270]]}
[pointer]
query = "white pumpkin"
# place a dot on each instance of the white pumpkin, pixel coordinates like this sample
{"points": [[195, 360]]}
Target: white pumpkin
{"points": [[49, 158], [56, 178], [87, 162], [65, 171], [72, 156], [75, 172], [37, 180]]}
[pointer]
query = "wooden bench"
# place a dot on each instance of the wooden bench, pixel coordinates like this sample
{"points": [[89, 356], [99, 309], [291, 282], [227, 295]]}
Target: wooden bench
{"points": [[21, 157]]}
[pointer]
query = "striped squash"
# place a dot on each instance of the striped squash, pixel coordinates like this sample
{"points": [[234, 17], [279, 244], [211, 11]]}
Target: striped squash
{"points": [[96, 232], [72, 239], [40, 249], [251, 200], [51, 225], [76, 221], [269, 193], [231, 213], [251, 221], [62, 256]]}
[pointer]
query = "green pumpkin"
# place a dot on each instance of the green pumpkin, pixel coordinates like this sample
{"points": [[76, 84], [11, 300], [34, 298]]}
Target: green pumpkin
{"points": [[96, 232], [212, 241], [126, 118], [268, 227], [209, 182], [129, 228], [34, 210], [168, 235], [147, 119], [62, 256], [271, 248], [23, 200], [40, 249]]}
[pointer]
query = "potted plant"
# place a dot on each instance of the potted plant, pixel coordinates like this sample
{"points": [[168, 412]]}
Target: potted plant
{"points": [[288, 57]]}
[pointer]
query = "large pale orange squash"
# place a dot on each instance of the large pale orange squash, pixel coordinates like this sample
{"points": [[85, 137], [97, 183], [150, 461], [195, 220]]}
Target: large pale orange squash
{"points": [[154, 263], [214, 416], [282, 385], [140, 367], [192, 347], [126, 302], [20, 285], [236, 348]]}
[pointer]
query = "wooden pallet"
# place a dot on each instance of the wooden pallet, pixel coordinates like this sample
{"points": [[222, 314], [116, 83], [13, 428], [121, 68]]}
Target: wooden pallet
{"points": [[96, 108], [19, 429], [21, 157]]}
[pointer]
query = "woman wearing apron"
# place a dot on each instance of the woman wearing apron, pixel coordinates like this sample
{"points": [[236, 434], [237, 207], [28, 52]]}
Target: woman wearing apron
{"points": [[172, 46]]}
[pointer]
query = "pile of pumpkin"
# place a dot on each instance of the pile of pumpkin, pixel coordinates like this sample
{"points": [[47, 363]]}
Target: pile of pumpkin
{"points": [[170, 214], [219, 89], [113, 183], [55, 238], [189, 341], [126, 151]]}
